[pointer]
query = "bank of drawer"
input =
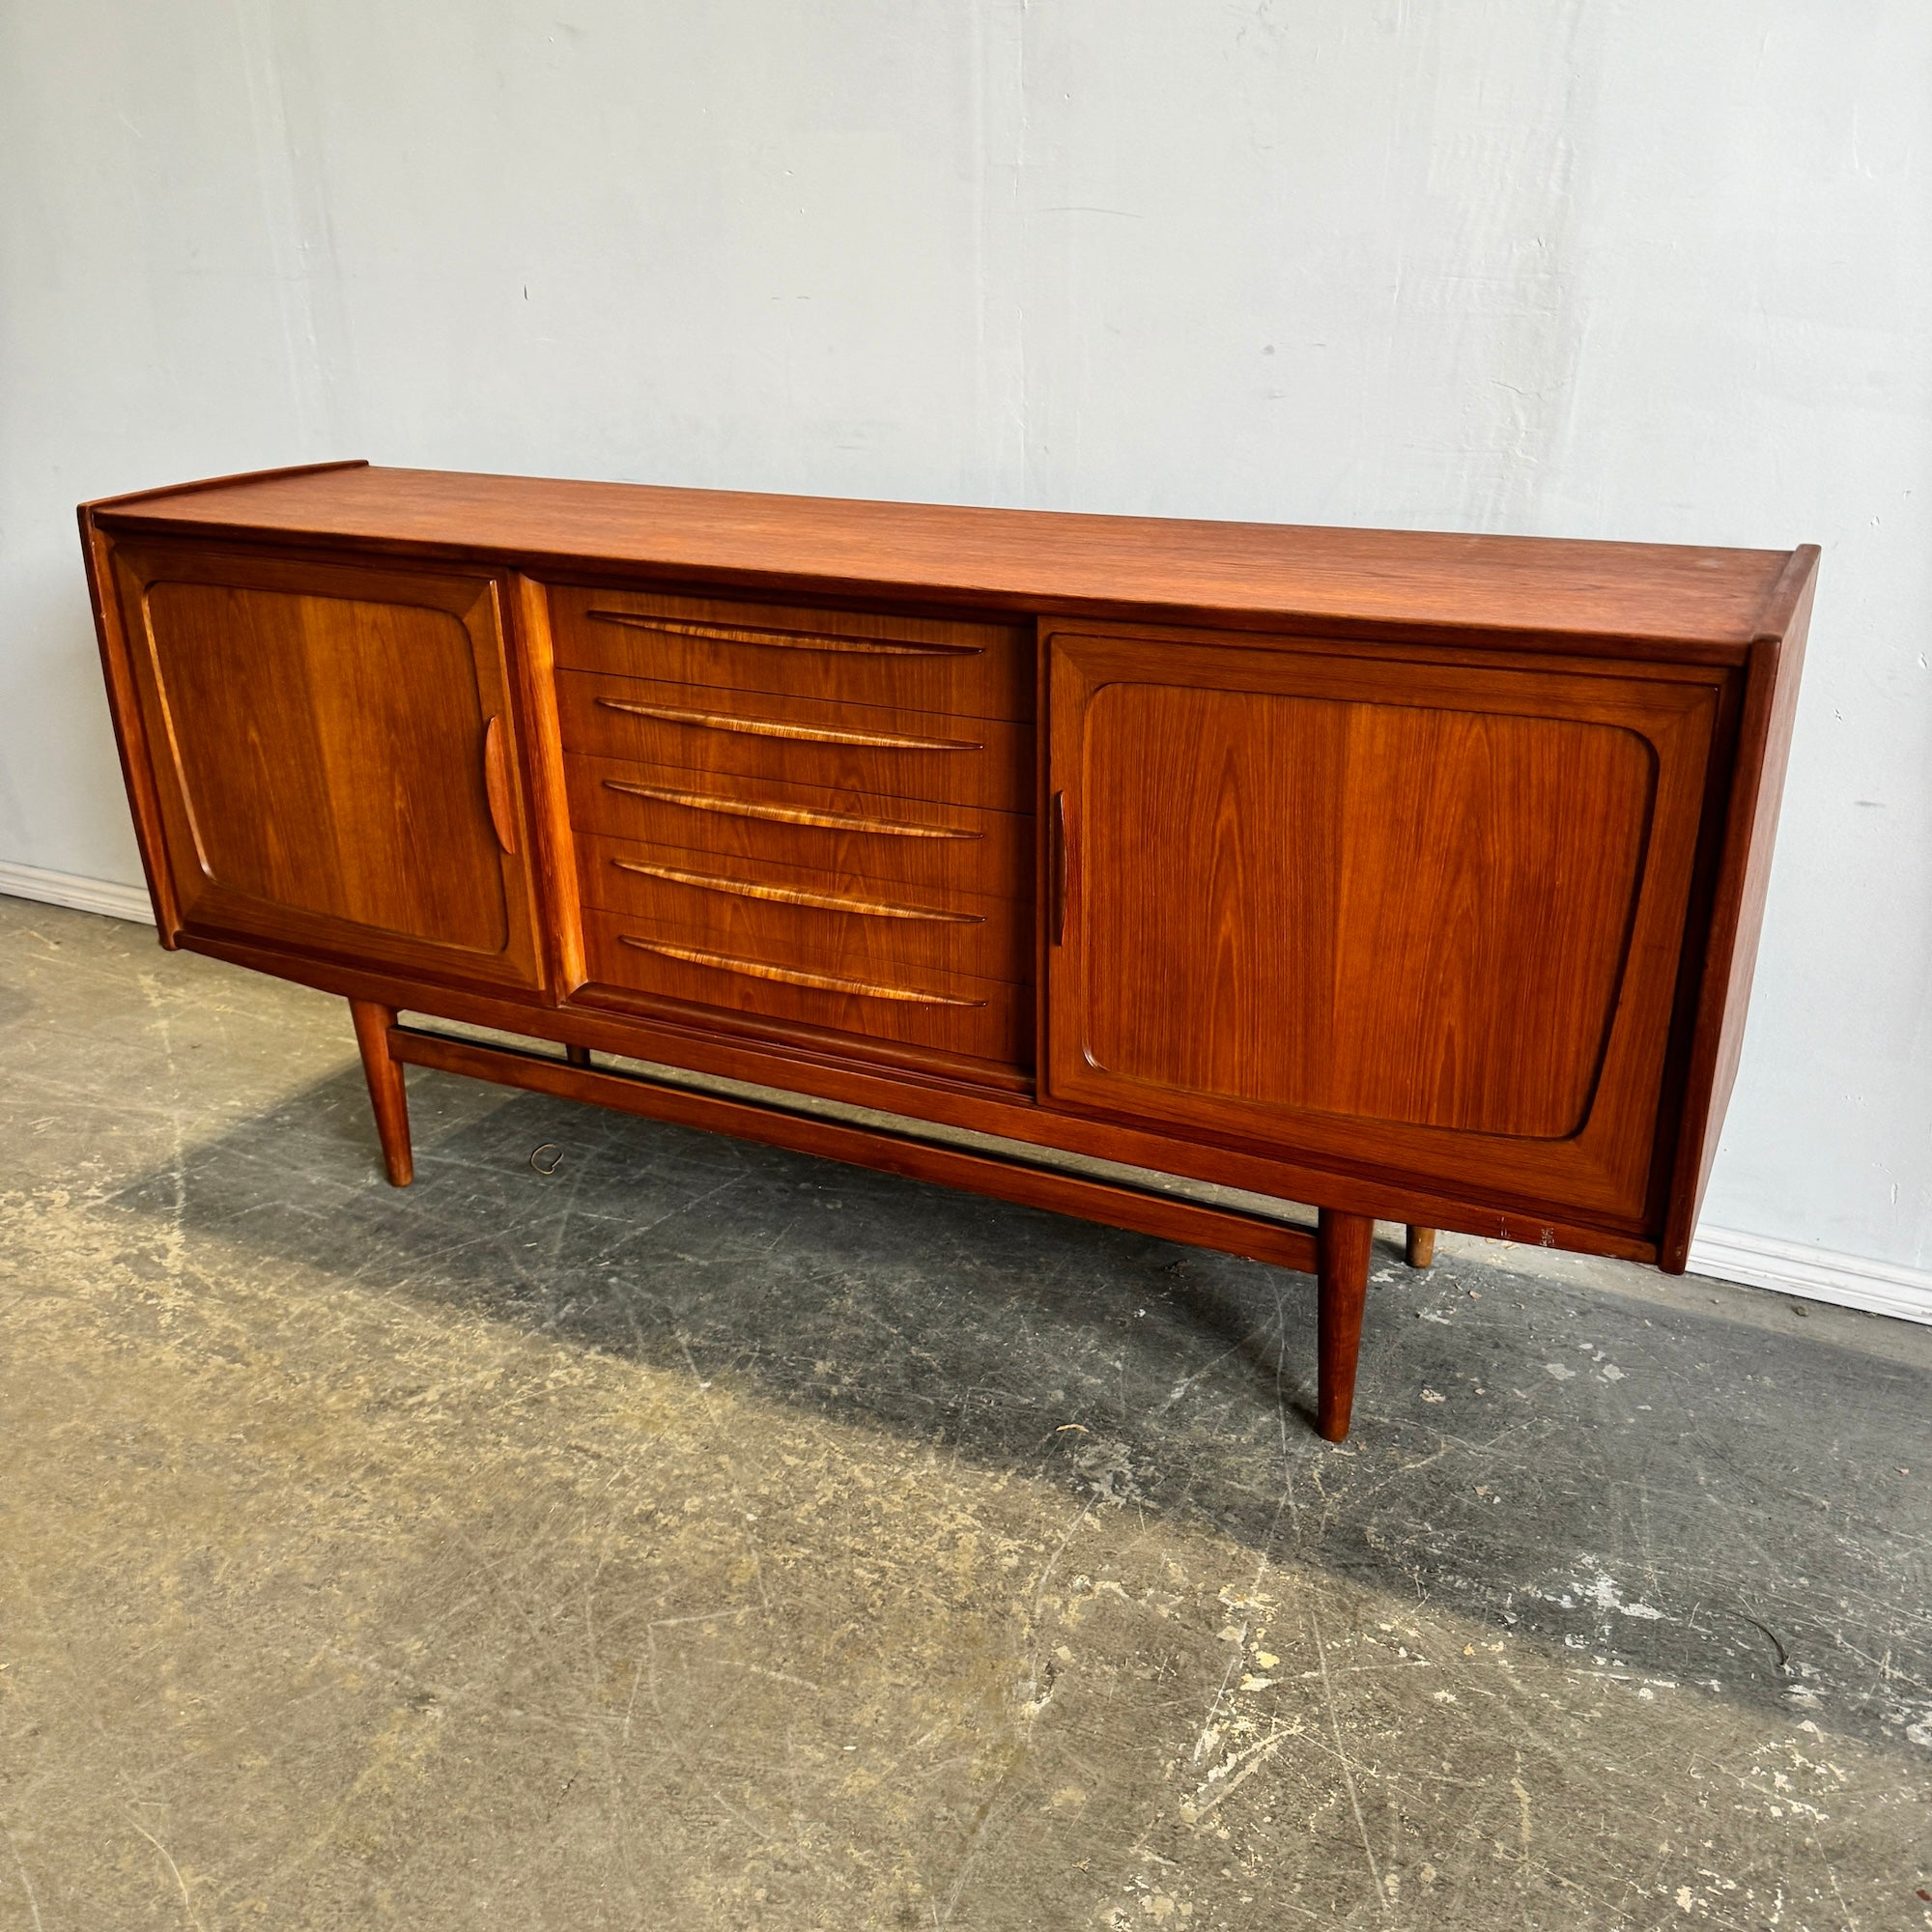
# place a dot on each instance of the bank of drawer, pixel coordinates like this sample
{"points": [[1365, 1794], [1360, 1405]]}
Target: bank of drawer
{"points": [[794, 916], [848, 840], [984, 1019], [914, 663], [922, 755]]}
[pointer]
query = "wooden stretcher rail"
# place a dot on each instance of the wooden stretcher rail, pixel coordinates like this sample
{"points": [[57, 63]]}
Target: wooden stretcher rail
{"points": [[1249, 1236]]}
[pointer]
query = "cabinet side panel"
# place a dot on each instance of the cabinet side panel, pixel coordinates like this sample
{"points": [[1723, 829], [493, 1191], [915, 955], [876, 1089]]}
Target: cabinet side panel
{"points": [[131, 737], [1730, 958]]}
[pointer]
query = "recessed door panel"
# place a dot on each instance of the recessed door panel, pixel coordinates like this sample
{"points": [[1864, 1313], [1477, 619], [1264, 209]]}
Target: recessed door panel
{"points": [[339, 769], [1413, 916], [1424, 915]]}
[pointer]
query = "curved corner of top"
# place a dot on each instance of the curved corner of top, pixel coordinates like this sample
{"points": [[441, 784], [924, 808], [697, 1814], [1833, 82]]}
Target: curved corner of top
{"points": [[239, 479]]}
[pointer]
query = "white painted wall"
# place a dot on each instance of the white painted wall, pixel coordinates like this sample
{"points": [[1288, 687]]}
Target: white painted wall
{"points": [[1648, 269]]}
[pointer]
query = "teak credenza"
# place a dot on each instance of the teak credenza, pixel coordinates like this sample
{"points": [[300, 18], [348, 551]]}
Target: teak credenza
{"points": [[1413, 876]]}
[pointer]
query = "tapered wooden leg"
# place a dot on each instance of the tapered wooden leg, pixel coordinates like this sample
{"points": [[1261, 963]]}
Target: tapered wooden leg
{"points": [[386, 1097], [1341, 1242], [578, 1056], [1421, 1247]]}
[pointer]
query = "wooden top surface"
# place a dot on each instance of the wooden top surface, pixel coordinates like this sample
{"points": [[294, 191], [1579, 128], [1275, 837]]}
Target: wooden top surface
{"points": [[1015, 560]]}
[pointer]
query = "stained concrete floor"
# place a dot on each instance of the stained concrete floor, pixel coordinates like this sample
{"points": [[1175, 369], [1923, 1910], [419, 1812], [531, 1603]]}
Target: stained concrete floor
{"points": [[703, 1536]]}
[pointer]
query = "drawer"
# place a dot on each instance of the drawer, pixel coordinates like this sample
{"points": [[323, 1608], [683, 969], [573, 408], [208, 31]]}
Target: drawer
{"points": [[918, 754], [911, 664], [983, 1019], [795, 917], [848, 838]]}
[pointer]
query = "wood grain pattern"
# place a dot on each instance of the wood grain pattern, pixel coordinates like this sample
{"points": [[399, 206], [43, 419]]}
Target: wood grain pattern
{"points": [[847, 748], [1620, 598], [1485, 875], [904, 663], [289, 779], [324, 773], [1396, 914]]}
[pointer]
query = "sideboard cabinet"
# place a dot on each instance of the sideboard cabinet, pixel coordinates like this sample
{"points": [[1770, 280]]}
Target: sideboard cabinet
{"points": [[1401, 875]]}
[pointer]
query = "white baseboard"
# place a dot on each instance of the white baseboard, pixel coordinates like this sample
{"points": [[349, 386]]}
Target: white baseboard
{"points": [[1816, 1274], [1757, 1261], [68, 889]]}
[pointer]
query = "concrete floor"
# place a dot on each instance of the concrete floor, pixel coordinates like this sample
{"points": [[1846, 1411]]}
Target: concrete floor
{"points": [[702, 1536]]}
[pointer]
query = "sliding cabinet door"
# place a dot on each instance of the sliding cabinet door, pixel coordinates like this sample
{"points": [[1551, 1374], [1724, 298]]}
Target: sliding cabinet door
{"points": [[335, 755], [1422, 916]]}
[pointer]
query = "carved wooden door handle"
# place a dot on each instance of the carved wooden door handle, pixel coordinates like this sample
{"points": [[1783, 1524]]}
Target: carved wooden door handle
{"points": [[1058, 860], [496, 785]]}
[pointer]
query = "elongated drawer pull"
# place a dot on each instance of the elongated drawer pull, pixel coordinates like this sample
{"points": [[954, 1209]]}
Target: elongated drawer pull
{"points": [[823, 983], [786, 640], [797, 895], [772, 728], [792, 815]]}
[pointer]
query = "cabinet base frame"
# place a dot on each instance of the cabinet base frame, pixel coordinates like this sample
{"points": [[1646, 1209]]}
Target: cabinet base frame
{"points": [[949, 1104], [1337, 1254]]}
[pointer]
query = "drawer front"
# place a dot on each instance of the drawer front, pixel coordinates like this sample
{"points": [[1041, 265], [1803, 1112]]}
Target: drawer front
{"points": [[911, 664], [983, 1019], [911, 754], [848, 840], [794, 916]]}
